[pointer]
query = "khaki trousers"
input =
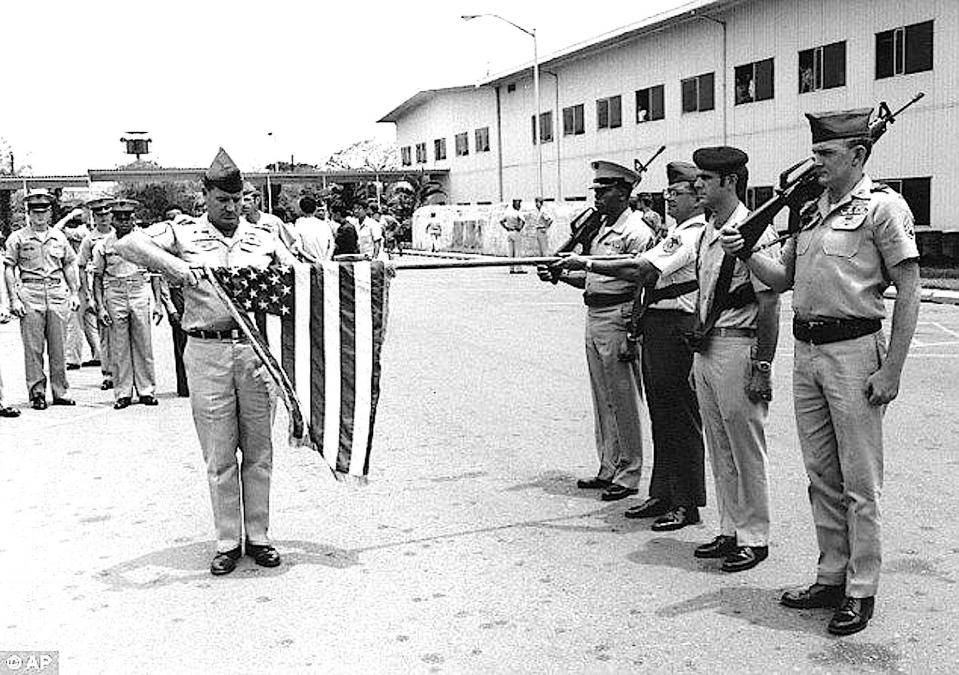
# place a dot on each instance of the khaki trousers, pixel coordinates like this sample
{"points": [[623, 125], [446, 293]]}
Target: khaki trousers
{"points": [[617, 394], [232, 397], [841, 439], [735, 437], [82, 324], [514, 246], [128, 302], [43, 328]]}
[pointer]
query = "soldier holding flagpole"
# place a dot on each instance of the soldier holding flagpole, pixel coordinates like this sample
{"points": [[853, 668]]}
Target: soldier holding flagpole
{"points": [[231, 395]]}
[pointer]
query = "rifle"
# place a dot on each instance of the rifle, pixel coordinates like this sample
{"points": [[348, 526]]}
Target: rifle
{"points": [[799, 184], [585, 226]]}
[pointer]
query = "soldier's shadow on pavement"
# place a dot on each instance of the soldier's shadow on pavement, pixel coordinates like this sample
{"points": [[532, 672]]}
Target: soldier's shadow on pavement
{"points": [[191, 562], [758, 606], [670, 552], [558, 483]]}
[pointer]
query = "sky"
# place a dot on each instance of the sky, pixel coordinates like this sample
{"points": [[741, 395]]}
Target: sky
{"points": [[265, 80]]}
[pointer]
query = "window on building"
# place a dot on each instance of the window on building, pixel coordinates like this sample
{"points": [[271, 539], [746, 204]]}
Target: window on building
{"points": [[573, 121], [545, 127], [754, 82], [609, 112], [439, 148], [421, 153], [698, 93], [904, 50], [462, 142], [917, 192], [649, 104], [757, 195], [510, 88], [822, 67], [482, 140], [405, 156]]}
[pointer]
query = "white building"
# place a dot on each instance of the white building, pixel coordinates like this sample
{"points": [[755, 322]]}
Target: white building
{"points": [[736, 72]]}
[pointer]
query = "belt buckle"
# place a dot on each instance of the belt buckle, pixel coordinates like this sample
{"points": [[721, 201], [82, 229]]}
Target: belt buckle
{"points": [[234, 334]]}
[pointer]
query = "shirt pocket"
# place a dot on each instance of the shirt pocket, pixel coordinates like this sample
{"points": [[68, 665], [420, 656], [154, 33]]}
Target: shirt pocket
{"points": [[29, 253], [843, 238]]}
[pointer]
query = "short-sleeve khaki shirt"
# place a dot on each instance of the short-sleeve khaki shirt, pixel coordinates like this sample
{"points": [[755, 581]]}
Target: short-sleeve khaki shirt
{"points": [[843, 252], [198, 243], [111, 265], [40, 256], [709, 262], [629, 235]]}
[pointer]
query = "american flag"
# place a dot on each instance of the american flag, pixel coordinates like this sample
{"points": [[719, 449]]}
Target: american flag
{"points": [[320, 329]]}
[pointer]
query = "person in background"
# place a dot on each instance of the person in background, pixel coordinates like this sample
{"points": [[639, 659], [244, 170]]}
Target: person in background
{"points": [[314, 234], [542, 220], [514, 222]]}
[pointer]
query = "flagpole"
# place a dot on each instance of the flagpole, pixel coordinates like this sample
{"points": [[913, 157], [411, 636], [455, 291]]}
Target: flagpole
{"points": [[489, 262]]}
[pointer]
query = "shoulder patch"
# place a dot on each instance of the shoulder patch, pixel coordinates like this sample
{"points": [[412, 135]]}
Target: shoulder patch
{"points": [[672, 244]]}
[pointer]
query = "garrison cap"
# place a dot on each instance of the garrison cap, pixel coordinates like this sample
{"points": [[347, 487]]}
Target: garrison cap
{"points": [[609, 173], [681, 172], [39, 200], [223, 174], [829, 126], [100, 205], [722, 159]]}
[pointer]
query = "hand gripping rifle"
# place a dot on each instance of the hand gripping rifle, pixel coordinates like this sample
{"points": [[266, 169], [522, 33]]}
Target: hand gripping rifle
{"points": [[585, 226], [799, 184]]}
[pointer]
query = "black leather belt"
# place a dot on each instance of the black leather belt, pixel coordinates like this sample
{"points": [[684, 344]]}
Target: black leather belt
{"points": [[235, 334], [607, 299], [825, 331]]}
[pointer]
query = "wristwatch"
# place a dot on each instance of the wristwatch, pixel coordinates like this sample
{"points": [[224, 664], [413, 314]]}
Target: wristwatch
{"points": [[763, 366], [589, 265]]}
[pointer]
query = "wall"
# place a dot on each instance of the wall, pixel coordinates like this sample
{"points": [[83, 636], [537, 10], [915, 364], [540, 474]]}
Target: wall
{"points": [[774, 133]]}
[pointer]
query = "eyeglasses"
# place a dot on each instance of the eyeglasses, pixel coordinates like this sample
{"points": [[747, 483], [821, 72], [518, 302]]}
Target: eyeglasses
{"points": [[670, 193]]}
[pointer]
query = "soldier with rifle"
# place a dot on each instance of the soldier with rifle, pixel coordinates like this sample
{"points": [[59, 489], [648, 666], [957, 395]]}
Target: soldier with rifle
{"points": [[664, 307], [846, 246], [615, 383]]}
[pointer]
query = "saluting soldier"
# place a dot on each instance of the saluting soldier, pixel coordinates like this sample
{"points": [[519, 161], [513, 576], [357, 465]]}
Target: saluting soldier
{"points": [[738, 323], [123, 292], [854, 240], [83, 322], [614, 375], [47, 295], [232, 399], [102, 228]]}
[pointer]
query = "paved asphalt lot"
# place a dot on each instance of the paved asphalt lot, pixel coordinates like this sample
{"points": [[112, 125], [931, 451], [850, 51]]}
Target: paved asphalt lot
{"points": [[470, 550]]}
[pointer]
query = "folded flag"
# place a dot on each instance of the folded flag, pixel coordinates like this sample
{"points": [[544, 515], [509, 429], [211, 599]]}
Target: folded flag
{"points": [[319, 330]]}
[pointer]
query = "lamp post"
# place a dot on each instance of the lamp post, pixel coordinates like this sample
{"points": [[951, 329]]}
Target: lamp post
{"points": [[536, 121]]}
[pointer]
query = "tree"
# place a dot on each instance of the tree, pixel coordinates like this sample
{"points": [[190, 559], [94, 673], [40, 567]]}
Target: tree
{"points": [[406, 196], [368, 155]]}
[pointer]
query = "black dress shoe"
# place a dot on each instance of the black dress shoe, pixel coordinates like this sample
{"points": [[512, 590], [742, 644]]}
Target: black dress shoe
{"points": [[73, 366], [264, 556], [852, 616], [149, 400], [615, 492], [64, 401], [7, 411], [676, 519], [720, 547], [651, 508], [107, 384], [817, 596], [745, 558], [225, 562], [38, 403], [122, 402], [91, 362], [593, 483]]}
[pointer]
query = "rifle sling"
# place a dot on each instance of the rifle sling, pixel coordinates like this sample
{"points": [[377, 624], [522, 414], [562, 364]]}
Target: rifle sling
{"points": [[672, 291]]}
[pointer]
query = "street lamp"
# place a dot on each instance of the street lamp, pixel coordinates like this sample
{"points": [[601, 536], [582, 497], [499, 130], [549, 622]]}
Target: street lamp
{"points": [[536, 121]]}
